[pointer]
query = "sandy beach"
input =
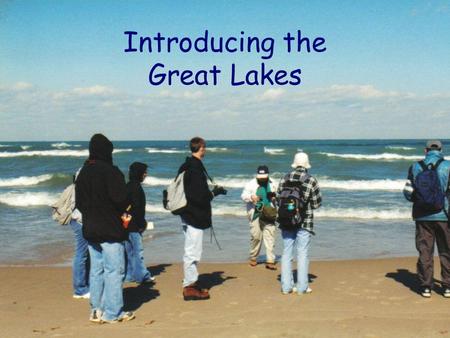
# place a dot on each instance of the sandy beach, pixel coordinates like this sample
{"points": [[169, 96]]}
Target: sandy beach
{"points": [[360, 298]]}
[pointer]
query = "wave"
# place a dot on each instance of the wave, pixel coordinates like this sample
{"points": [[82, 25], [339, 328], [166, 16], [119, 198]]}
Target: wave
{"points": [[344, 213], [63, 153], [61, 145], [5, 146], [217, 149], [364, 213], [25, 147], [362, 184], [28, 199], [400, 147], [274, 151], [375, 157], [24, 180], [165, 151], [223, 181]]}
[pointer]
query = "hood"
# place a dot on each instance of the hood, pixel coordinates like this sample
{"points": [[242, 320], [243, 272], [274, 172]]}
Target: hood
{"points": [[192, 162], [100, 148], [137, 170], [433, 156]]}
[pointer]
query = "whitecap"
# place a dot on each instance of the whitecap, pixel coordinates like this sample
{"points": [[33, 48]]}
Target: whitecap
{"points": [[374, 157], [385, 184], [55, 153], [25, 147], [28, 199], [24, 180], [217, 149], [274, 151], [165, 151], [61, 145], [399, 148]]}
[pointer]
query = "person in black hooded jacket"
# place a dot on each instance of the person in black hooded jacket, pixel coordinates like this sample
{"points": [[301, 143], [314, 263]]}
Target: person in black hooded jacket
{"points": [[196, 216], [101, 197], [136, 270]]}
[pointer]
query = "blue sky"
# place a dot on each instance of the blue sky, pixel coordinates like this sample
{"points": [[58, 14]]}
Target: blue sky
{"points": [[385, 74]]}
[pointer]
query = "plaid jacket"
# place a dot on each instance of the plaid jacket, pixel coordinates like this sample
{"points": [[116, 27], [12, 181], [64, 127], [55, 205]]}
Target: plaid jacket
{"points": [[311, 194]]}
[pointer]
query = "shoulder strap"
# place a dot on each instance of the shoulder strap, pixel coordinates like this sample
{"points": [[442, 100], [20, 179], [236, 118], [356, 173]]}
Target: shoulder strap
{"points": [[422, 165], [438, 162]]}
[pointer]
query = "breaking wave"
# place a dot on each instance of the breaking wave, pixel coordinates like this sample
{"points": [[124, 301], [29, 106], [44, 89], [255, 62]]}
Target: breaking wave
{"points": [[28, 199], [362, 184], [324, 213], [400, 148], [274, 151], [61, 145], [374, 157], [165, 151], [53, 153], [25, 147], [24, 180], [217, 150]]}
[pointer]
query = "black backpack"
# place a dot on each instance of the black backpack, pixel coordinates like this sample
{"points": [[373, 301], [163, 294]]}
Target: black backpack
{"points": [[428, 194], [291, 204]]}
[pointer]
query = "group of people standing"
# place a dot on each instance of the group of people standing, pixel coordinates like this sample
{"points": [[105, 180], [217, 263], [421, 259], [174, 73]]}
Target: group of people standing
{"points": [[103, 201]]}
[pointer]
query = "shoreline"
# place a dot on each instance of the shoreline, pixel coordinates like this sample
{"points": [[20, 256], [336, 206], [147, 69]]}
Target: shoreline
{"points": [[350, 298]]}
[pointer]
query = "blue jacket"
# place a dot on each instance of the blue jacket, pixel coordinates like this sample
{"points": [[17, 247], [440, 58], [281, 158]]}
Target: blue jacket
{"points": [[432, 156]]}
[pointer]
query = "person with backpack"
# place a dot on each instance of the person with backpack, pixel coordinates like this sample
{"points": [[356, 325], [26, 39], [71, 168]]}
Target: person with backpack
{"points": [[298, 195], [101, 197], [80, 262], [195, 216], [136, 270], [427, 187], [258, 195]]}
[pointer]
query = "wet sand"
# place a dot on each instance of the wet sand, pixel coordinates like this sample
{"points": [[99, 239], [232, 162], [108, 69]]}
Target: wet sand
{"points": [[359, 298]]}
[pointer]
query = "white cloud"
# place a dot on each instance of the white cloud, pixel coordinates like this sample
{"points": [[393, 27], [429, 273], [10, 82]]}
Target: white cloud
{"points": [[272, 94], [22, 86], [94, 90]]}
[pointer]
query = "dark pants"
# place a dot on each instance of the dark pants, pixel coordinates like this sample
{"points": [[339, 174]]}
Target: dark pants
{"points": [[426, 233]]}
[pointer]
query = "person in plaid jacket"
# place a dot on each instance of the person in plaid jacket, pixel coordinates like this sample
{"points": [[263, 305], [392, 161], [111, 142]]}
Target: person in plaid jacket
{"points": [[299, 238]]}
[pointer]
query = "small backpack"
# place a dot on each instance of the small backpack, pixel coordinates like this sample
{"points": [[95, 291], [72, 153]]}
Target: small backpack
{"points": [[428, 194], [291, 204], [174, 197], [63, 207]]}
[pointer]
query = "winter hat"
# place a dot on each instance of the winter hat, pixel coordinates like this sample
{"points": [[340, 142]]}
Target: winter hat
{"points": [[301, 160]]}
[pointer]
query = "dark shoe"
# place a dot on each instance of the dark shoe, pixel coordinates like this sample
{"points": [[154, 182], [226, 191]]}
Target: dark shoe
{"points": [[426, 292], [191, 292], [271, 266]]}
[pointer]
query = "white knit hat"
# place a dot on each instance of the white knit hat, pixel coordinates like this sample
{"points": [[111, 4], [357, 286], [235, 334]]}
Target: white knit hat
{"points": [[301, 160]]}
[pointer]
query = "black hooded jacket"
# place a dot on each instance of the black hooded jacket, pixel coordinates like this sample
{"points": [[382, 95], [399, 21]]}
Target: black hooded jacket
{"points": [[101, 194], [136, 196], [198, 210]]}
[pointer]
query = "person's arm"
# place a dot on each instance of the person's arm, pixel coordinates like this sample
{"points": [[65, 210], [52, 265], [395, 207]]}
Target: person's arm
{"points": [[408, 189], [312, 193], [247, 193], [117, 189]]}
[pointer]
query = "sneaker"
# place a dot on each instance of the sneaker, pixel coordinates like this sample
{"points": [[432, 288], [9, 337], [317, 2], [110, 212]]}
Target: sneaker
{"points": [[148, 280], [446, 293], [85, 296], [294, 289], [271, 266], [125, 317], [96, 317], [192, 292], [253, 262], [308, 290], [426, 292]]}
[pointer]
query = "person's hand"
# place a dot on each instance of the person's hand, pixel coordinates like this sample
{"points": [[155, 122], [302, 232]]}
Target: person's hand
{"points": [[271, 195], [217, 190], [255, 198]]}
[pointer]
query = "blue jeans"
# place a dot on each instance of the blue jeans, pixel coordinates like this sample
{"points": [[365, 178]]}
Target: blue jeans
{"points": [[300, 240], [106, 278], [193, 245], [80, 263], [136, 270]]}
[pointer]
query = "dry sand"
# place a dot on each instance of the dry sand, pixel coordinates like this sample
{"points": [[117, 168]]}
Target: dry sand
{"points": [[361, 298]]}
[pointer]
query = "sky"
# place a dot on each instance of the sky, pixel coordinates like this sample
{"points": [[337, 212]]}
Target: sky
{"points": [[64, 74]]}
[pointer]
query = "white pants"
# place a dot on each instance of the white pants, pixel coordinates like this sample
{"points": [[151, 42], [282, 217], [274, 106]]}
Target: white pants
{"points": [[193, 245], [260, 232]]}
